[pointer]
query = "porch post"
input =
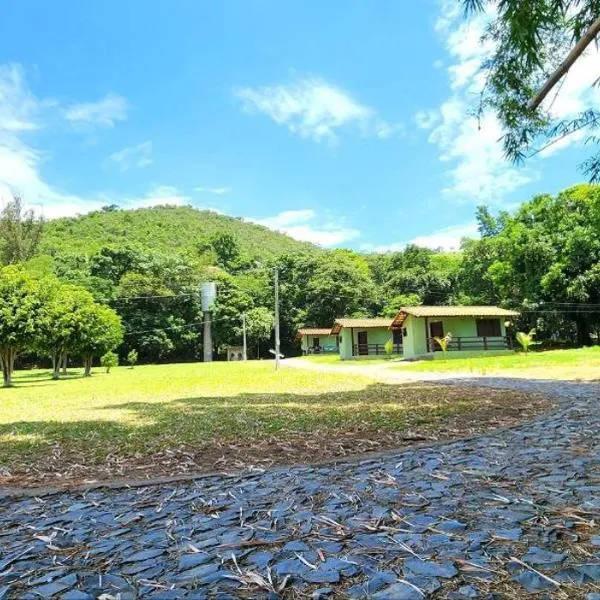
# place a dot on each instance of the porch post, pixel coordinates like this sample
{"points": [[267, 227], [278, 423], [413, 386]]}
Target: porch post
{"points": [[427, 333], [352, 339]]}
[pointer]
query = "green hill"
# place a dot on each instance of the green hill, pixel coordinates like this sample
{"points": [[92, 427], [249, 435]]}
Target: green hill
{"points": [[162, 228]]}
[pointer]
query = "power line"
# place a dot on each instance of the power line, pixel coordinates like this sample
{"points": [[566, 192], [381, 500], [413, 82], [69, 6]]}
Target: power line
{"points": [[171, 327], [162, 297]]}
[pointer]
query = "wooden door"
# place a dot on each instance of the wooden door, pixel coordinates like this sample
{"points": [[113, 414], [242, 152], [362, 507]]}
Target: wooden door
{"points": [[436, 329], [363, 343], [316, 345]]}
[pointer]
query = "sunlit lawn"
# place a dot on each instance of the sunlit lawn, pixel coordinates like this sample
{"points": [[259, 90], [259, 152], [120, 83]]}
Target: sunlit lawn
{"points": [[579, 363], [152, 409], [334, 359]]}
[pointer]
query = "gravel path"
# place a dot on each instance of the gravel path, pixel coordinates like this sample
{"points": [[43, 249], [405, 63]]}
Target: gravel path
{"points": [[510, 513]]}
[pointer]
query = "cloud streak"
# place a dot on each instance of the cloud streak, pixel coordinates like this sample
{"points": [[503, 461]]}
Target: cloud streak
{"points": [[217, 191], [304, 225], [447, 239], [138, 156], [315, 109], [477, 170], [103, 113]]}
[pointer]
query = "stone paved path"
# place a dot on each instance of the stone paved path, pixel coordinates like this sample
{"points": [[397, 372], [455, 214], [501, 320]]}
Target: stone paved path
{"points": [[456, 520]]}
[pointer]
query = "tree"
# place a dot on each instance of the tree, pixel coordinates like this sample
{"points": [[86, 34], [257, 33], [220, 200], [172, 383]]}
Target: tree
{"points": [[21, 302], [227, 311], [159, 302], [259, 325], [60, 321], [339, 285], [109, 360], [132, 358], [545, 259], [101, 331], [536, 44], [225, 250], [20, 233]]}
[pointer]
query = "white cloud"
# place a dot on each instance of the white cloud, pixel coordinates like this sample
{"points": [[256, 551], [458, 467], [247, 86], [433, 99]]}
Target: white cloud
{"points": [[18, 106], [315, 109], [478, 170], [304, 225], [103, 113], [217, 191], [158, 195], [447, 239], [139, 156], [20, 163]]}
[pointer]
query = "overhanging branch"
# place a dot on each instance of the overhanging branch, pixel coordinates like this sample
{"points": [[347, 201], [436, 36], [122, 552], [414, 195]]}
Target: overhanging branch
{"points": [[565, 65]]}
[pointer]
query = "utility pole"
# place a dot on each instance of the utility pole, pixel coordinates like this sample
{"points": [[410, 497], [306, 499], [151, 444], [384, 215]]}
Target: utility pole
{"points": [[208, 293], [277, 340], [245, 351], [207, 341]]}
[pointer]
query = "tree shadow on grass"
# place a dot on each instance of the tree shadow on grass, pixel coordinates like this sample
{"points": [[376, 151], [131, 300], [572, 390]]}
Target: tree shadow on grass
{"points": [[193, 434], [39, 378]]}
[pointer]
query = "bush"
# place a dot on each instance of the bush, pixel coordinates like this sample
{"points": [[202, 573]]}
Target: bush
{"points": [[109, 360], [132, 358], [389, 347]]}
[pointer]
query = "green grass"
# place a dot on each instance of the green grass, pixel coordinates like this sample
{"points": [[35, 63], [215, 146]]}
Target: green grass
{"points": [[334, 359], [580, 362], [137, 413]]}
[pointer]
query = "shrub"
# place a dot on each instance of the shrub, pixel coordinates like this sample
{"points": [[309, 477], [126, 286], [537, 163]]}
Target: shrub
{"points": [[389, 347], [526, 339], [109, 360], [444, 342], [132, 358]]}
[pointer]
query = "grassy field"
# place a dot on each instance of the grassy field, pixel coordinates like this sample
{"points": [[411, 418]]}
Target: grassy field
{"points": [[582, 363], [334, 359], [190, 417]]}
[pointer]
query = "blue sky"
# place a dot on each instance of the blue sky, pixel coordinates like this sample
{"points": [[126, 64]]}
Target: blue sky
{"points": [[343, 123]]}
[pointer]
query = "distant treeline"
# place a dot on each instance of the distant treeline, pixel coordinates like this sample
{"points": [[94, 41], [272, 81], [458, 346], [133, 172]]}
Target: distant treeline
{"points": [[543, 259]]}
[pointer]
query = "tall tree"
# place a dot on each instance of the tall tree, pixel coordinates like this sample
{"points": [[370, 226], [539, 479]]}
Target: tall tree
{"points": [[62, 321], [536, 44], [20, 232], [259, 325], [100, 331], [21, 301]]}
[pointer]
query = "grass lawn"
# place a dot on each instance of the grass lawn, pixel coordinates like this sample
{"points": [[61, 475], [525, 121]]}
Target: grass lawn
{"points": [[334, 359], [182, 418], [579, 363]]}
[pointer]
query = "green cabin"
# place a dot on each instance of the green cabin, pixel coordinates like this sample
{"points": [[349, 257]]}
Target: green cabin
{"points": [[360, 338], [473, 330], [317, 341]]}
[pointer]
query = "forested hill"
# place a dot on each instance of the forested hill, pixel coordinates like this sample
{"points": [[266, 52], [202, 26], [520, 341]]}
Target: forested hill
{"points": [[162, 229], [543, 259]]}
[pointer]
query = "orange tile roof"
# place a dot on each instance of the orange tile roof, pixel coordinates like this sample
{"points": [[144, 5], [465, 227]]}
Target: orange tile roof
{"points": [[451, 311], [314, 331], [360, 323]]}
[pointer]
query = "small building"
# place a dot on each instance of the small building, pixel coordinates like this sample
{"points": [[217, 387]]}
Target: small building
{"points": [[360, 338], [474, 329], [317, 341], [235, 353]]}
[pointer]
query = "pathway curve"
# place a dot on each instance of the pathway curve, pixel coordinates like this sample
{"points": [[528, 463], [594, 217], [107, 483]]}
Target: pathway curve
{"points": [[511, 512]]}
